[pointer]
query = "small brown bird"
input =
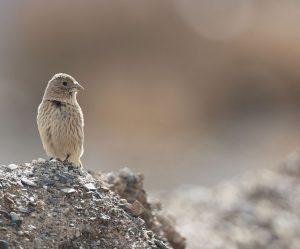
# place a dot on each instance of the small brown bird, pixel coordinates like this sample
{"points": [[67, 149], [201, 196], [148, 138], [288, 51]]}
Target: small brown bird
{"points": [[60, 120]]}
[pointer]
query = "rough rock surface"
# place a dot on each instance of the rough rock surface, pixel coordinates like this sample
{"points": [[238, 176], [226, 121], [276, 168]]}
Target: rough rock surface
{"points": [[50, 204], [259, 210], [130, 187]]}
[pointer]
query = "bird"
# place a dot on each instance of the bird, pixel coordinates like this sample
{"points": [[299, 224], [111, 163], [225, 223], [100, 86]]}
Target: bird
{"points": [[60, 120]]}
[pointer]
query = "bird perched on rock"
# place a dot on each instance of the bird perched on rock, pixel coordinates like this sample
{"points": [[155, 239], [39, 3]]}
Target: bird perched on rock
{"points": [[60, 120]]}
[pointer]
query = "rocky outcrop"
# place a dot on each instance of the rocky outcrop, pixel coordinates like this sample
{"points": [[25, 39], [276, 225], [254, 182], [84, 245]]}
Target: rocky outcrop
{"points": [[50, 204]]}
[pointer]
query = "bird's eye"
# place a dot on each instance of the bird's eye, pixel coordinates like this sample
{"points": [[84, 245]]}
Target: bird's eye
{"points": [[65, 83]]}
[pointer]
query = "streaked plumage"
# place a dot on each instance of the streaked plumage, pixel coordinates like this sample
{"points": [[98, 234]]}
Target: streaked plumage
{"points": [[60, 120]]}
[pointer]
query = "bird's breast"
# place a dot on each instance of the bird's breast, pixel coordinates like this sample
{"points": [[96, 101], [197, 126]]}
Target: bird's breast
{"points": [[59, 110], [57, 104]]}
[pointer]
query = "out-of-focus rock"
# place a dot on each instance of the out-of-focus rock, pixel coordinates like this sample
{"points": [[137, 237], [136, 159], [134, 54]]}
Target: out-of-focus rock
{"points": [[258, 210]]}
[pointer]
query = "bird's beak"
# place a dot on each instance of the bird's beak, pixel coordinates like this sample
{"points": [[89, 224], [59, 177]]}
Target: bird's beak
{"points": [[78, 87]]}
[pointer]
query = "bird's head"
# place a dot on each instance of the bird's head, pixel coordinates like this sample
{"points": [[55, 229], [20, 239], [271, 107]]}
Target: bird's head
{"points": [[62, 87]]}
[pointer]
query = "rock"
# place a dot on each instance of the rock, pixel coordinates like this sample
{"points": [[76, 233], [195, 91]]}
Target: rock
{"points": [[5, 214], [160, 244], [15, 219], [46, 183], [131, 180], [9, 199], [3, 244], [38, 243], [40, 206], [41, 160], [135, 209], [12, 166], [28, 182], [68, 190], [90, 186], [124, 172], [31, 227], [62, 178], [69, 209], [77, 233], [25, 210], [129, 186]]}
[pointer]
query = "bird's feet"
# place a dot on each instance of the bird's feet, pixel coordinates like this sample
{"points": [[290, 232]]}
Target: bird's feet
{"points": [[66, 160]]}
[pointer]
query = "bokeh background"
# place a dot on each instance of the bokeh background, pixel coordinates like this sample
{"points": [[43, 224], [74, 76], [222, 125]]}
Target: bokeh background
{"points": [[187, 92]]}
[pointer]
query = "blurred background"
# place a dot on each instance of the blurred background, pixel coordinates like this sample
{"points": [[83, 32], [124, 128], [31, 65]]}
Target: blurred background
{"points": [[187, 92]]}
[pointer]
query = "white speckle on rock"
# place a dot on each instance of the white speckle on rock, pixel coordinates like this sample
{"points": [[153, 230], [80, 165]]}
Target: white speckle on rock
{"points": [[31, 227], [41, 160], [68, 190], [12, 166], [34, 161], [90, 186], [28, 182], [20, 184]]}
